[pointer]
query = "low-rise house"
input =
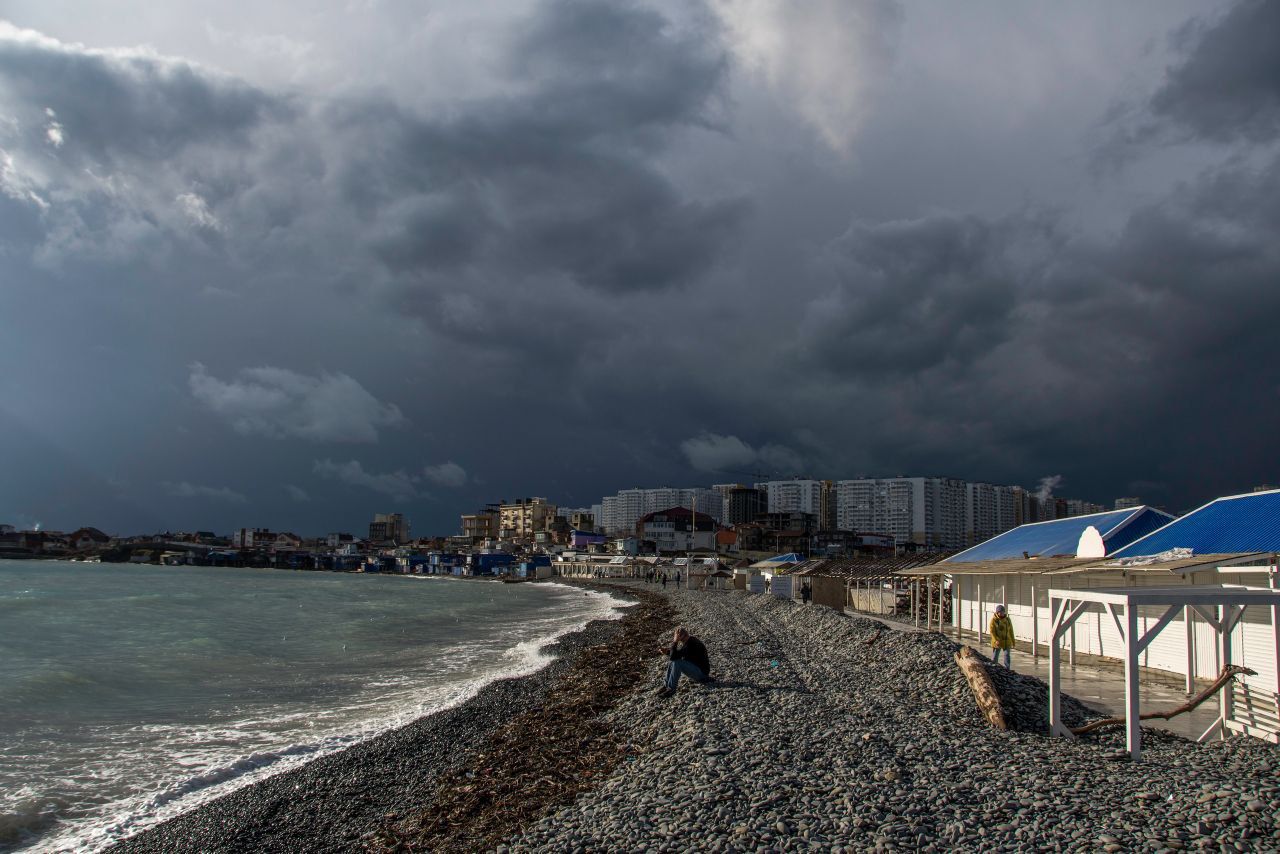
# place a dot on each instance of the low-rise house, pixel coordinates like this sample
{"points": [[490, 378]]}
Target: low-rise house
{"points": [[88, 538], [284, 541], [585, 539], [678, 529]]}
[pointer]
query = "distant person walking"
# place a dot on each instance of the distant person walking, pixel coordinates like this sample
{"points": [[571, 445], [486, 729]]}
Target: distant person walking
{"points": [[677, 578], [688, 658], [1002, 640], [664, 581], [805, 592]]}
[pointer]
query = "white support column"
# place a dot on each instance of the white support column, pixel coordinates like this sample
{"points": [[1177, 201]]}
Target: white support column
{"points": [[1189, 624], [1063, 617], [1275, 629], [929, 607], [1228, 619], [1055, 672], [1223, 650], [1035, 625], [1133, 732], [915, 605], [981, 627], [935, 587], [956, 601], [932, 585]]}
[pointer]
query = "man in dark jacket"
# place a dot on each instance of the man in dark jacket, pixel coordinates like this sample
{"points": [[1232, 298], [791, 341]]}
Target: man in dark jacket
{"points": [[688, 658]]}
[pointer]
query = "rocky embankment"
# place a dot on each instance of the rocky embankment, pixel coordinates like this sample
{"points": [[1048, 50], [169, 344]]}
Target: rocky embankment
{"points": [[827, 731]]}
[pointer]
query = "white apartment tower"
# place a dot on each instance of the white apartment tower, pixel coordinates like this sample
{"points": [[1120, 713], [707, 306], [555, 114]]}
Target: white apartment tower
{"points": [[990, 510], [795, 496], [928, 511], [619, 513]]}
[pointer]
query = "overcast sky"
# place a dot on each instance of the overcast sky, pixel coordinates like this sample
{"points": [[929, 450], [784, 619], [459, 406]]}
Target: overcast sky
{"points": [[290, 264]]}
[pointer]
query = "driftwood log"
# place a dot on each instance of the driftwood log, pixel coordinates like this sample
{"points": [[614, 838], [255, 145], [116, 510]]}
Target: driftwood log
{"points": [[984, 690], [1228, 674]]}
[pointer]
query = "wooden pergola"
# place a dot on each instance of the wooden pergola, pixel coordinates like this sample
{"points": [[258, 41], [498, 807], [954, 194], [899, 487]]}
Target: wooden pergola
{"points": [[1219, 606]]}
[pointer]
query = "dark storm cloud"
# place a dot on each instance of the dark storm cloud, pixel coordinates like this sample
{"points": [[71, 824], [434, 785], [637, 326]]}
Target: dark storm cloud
{"points": [[634, 254], [912, 294], [1228, 86], [126, 104], [970, 343], [558, 179]]}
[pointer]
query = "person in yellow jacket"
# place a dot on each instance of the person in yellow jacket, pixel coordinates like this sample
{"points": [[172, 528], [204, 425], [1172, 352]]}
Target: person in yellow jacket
{"points": [[1001, 637]]}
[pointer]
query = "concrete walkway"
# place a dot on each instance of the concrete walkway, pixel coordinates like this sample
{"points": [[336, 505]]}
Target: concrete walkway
{"points": [[1104, 690]]}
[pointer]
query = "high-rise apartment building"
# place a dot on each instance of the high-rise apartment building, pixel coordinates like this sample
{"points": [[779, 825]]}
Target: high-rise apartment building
{"points": [[795, 496], [827, 506], [744, 504], [619, 513], [990, 510], [927, 511]]}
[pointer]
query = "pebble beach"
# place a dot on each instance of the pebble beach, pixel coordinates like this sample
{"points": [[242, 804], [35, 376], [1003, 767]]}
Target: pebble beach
{"points": [[822, 731]]}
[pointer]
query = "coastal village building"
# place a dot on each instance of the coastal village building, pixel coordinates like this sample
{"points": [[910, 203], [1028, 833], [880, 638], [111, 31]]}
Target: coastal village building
{"points": [[389, 527], [286, 540], [87, 538], [523, 518], [579, 518], [339, 540], [678, 529], [248, 538], [480, 526]]}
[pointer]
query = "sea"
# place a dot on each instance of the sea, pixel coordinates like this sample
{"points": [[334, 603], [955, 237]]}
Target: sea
{"points": [[132, 693]]}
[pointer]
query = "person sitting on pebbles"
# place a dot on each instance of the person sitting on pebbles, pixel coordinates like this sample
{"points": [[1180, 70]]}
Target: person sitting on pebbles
{"points": [[1001, 637], [688, 658]]}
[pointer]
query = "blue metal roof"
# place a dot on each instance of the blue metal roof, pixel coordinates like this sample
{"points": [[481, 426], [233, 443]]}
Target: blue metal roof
{"points": [[1061, 536], [1235, 524]]}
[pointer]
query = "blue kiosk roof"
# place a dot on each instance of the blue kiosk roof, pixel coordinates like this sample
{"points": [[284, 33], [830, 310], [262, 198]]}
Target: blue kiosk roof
{"points": [[1230, 525], [1061, 536]]}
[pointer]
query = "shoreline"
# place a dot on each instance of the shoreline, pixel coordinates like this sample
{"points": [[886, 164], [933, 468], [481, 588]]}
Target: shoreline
{"points": [[821, 731], [330, 802]]}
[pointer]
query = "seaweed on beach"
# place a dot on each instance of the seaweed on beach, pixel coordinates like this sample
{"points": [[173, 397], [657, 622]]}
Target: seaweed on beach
{"points": [[542, 757]]}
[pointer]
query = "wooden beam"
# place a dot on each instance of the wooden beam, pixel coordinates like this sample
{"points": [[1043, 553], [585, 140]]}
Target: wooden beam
{"points": [[1208, 616], [1150, 634], [1074, 614], [1115, 616]]}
